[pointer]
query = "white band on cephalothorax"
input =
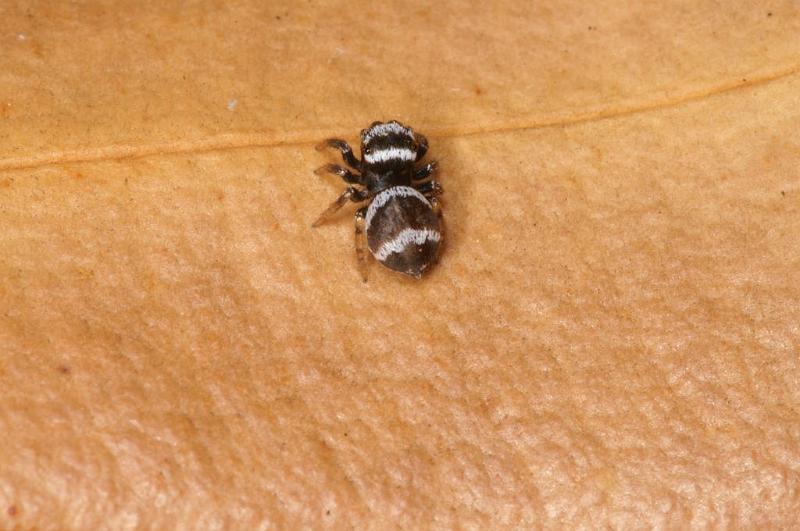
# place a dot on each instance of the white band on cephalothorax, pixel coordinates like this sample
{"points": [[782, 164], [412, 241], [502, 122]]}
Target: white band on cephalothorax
{"points": [[389, 194], [404, 239], [391, 153], [385, 129]]}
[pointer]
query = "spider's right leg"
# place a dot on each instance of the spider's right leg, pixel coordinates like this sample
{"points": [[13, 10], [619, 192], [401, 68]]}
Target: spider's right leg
{"points": [[344, 147], [348, 176], [436, 205], [361, 242], [422, 144], [430, 188], [351, 194], [425, 171]]}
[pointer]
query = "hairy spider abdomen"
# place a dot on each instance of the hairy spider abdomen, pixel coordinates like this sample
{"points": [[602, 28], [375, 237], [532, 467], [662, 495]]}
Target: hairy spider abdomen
{"points": [[403, 232]]}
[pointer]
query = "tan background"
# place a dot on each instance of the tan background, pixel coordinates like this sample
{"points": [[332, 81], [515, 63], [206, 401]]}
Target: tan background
{"points": [[611, 337]]}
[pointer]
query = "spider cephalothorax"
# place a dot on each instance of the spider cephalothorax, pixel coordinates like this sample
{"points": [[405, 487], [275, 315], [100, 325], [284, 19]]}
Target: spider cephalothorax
{"points": [[402, 219]]}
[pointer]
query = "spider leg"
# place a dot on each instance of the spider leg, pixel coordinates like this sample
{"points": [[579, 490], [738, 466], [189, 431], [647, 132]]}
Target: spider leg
{"points": [[425, 171], [344, 147], [430, 189], [351, 194], [436, 205], [348, 176], [361, 243], [423, 145]]}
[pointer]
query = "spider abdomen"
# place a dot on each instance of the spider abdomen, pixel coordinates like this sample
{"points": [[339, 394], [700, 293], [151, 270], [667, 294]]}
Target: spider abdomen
{"points": [[403, 231]]}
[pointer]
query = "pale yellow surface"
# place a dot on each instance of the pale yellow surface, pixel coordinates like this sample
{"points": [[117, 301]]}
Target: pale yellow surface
{"points": [[611, 338]]}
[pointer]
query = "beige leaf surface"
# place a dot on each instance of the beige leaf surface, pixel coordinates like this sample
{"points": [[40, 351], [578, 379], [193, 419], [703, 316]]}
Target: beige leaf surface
{"points": [[610, 339]]}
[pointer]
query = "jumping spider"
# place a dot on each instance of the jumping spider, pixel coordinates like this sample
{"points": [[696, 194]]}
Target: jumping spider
{"points": [[402, 220]]}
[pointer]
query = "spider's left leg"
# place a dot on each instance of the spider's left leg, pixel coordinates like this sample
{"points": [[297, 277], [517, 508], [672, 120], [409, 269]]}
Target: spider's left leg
{"points": [[348, 176], [430, 189], [361, 242], [351, 194], [344, 147]]}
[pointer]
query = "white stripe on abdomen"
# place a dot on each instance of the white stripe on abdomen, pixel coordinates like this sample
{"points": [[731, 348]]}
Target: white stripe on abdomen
{"points": [[387, 195], [404, 239]]}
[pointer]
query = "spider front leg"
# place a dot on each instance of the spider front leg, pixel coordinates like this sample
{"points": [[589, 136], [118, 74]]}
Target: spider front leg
{"points": [[351, 194], [348, 176], [430, 189], [361, 242], [425, 171], [422, 145], [344, 147]]}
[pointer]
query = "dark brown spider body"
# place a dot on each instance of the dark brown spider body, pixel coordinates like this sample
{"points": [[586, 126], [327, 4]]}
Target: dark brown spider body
{"points": [[402, 220]]}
